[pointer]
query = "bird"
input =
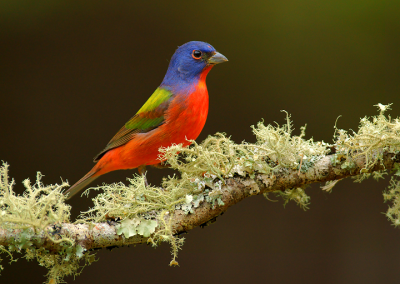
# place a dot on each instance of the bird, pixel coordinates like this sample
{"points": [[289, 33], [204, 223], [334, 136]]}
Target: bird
{"points": [[174, 114]]}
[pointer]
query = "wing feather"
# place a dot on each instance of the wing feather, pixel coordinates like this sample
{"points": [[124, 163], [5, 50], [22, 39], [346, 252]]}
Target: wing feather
{"points": [[149, 117]]}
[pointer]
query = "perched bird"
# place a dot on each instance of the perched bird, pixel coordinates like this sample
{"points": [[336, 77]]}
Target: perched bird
{"points": [[175, 113]]}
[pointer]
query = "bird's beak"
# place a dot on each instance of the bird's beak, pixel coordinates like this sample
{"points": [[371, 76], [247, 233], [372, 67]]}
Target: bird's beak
{"points": [[217, 58]]}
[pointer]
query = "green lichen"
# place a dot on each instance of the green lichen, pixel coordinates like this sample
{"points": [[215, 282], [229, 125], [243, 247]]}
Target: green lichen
{"points": [[148, 210], [286, 150], [141, 209], [71, 261], [38, 207], [132, 227], [38, 210], [392, 195], [329, 185], [297, 195], [208, 164], [373, 138], [276, 148]]}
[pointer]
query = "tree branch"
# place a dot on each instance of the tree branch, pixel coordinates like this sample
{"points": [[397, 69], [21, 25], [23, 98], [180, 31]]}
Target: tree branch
{"points": [[101, 235], [215, 175]]}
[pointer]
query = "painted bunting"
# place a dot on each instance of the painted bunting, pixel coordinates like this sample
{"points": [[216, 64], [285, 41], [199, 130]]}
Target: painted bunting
{"points": [[174, 114]]}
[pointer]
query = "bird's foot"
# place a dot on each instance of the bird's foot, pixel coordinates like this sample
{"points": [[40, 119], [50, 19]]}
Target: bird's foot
{"points": [[161, 165], [142, 171], [145, 181]]}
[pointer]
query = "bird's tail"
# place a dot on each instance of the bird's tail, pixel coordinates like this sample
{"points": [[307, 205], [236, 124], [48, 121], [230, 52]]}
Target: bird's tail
{"points": [[82, 183]]}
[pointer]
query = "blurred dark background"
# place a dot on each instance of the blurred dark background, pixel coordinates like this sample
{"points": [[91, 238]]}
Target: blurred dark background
{"points": [[73, 72]]}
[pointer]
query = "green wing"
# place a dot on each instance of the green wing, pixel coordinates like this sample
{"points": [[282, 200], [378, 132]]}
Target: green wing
{"points": [[149, 116]]}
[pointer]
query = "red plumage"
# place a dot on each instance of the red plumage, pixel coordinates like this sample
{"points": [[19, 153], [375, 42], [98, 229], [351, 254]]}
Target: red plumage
{"points": [[174, 114], [181, 124]]}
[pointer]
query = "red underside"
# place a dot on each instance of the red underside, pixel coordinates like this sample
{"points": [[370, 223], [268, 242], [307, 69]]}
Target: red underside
{"points": [[184, 120]]}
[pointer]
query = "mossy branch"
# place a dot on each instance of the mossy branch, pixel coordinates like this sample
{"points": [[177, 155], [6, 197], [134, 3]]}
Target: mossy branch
{"points": [[102, 235], [215, 175]]}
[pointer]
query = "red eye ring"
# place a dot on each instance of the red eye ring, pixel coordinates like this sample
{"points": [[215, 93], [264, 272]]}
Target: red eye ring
{"points": [[196, 54]]}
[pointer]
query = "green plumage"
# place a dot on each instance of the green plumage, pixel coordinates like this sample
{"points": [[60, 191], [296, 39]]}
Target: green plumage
{"points": [[149, 116]]}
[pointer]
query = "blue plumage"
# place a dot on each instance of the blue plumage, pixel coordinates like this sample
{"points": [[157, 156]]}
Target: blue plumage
{"points": [[184, 70]]}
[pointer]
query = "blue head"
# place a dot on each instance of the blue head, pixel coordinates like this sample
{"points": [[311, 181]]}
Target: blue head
{"points": [[188, 63]]}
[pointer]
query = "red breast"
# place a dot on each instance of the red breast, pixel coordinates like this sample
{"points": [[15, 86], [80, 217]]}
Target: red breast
{"points": [[185, 120]]}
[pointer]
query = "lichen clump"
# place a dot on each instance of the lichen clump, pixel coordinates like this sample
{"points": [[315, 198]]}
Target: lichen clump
{"points": [[374, 137], [39, 206], [276, 148], [38, 211], [392, 195]]}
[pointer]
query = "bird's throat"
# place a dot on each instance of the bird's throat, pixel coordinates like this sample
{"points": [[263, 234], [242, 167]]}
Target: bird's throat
{"points": [[203, 76]]}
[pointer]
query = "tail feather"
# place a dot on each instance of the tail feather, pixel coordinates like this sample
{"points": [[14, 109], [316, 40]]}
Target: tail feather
{"points": [[81, 184]]}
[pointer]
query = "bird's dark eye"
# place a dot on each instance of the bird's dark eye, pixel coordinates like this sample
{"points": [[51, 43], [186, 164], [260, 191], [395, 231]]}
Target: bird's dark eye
{"points": [[196, 54]]}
